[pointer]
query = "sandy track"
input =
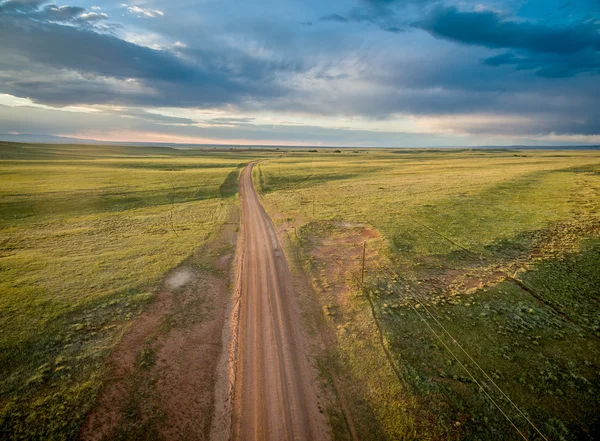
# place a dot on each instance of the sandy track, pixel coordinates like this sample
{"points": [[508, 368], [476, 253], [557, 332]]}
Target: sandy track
{"points": [[275, 395]]}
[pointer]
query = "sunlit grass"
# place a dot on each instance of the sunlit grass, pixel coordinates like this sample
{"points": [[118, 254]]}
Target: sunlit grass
{"points": [[453, 225], [83, 244]]}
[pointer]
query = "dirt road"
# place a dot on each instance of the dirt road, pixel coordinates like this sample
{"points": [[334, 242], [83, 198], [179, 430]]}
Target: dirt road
{"points": [[275, 395]]}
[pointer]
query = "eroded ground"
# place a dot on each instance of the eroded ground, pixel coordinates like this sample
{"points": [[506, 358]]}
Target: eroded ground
{"points": [[161, 378]]}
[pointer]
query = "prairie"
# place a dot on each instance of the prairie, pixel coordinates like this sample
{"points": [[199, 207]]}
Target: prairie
{"points": [[479, 313], [86, 233]]}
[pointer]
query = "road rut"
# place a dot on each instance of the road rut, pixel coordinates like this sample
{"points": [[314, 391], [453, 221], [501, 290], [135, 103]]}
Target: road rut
{"points": [[275, 395]]}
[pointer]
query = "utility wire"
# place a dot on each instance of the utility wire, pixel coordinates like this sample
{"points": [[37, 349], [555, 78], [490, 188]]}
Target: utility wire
{"points": [[393, 275], [387, 272]]}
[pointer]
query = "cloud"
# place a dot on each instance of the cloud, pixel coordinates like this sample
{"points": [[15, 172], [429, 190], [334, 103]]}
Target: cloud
{"points": [[60, 13], [20, 5], [93, 16], [490, 29], [550, 65], [59, 64], [550, 51], [229, 122], [38, 10], [276, 66], [143, 12], [381, 13], [394, 2], [334, 17], [87, 51], [103, 125], [324, 76], [153, 117]]}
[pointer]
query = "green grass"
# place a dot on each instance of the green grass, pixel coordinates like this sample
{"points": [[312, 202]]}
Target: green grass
{"points": [[454, 225], [546, 364], [86, 233]]}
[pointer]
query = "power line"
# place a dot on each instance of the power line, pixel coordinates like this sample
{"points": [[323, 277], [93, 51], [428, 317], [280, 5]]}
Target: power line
{"points": [[434, 318], [397, 372], [394, 274], [472, 359]]}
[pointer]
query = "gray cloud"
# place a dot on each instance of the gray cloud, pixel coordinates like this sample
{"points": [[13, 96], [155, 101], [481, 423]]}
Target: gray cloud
{"points": [[573, 49], [61, 64], [550, 65], [334, 17], [381, 17], [60, 13], [322, 76], [11, 6], [39, 11], [153, 117], [551, 51], [381, 13], [229, 121], [489, 29], [296, 69], [41, 121]]}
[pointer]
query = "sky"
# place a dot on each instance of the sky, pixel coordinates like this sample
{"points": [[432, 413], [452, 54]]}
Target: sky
{"points": [[398, 73]]}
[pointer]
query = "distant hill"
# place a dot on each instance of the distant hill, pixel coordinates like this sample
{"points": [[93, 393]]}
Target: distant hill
{"points": [[46, 139], [52, 139]]}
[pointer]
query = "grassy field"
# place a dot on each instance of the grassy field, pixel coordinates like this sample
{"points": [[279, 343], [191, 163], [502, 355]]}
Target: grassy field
{"points": [[499, 250], [86, 233]]}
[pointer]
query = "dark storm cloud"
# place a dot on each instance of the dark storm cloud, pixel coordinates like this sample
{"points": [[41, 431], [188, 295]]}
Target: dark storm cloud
{"points": [[489, 29], [148, 76], [84, 50], [550, 51]]}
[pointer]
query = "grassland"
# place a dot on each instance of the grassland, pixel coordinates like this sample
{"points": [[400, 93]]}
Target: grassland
{"points": [[501, 249], [86, 233]]}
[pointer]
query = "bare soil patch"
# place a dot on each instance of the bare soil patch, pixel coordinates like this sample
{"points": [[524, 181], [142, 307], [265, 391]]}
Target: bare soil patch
{"points": [[160, 379]]}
